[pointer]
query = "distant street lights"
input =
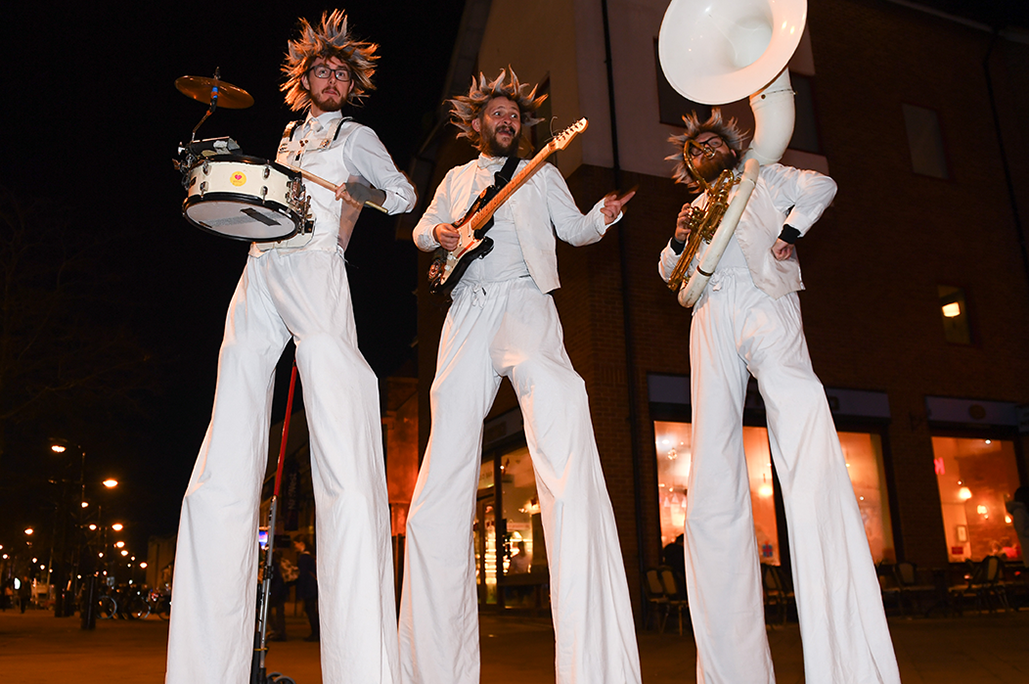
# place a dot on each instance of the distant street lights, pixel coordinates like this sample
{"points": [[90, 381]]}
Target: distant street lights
{"points": [[85, 557]]}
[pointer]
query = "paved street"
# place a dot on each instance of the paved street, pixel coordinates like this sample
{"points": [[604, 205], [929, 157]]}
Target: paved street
{"points": [[37, 648]]}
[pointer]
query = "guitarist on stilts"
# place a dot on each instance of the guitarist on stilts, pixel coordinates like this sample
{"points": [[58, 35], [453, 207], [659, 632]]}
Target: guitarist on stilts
{"points": [[503, 323]]}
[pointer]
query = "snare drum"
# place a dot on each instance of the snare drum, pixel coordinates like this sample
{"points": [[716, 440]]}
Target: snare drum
{"points": [[245, 198]]}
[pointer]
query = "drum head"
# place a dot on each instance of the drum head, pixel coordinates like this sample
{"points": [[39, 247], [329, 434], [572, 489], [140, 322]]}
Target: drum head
{"points": [[240, 219]]}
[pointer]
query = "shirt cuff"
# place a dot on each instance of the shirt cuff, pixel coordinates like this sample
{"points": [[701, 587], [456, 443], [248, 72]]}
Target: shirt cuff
{"points": [[676, 246], [789, 234]]}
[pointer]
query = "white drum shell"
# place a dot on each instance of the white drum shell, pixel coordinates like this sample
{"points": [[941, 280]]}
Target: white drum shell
{"points": [[241, 199]]}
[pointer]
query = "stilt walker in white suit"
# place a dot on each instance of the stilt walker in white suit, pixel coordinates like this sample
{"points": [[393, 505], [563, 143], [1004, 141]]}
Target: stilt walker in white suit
{"points": [[297, 289], [747, 322], [503, 323]]}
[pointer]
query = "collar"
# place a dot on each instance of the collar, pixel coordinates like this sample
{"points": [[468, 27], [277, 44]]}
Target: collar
{"points": [[487, 162], [325, 119]]}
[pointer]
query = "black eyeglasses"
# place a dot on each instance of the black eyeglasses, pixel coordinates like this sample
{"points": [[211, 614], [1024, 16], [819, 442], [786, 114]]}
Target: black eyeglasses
{"points": [[712, 144], [321, 72]]}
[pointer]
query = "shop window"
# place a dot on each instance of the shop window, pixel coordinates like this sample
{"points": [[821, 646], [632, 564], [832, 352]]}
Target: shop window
{"points": [[863, 454], [954, 310], [484, 536], [510, 550], [674, 457], [925, 141], [976, 477], [524, 524]]}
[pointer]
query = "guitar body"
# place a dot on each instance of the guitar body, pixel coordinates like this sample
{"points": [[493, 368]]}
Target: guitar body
{"points": [[448, 267]]}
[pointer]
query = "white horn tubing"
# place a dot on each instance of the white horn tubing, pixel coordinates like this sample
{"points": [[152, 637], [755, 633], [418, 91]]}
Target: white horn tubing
{"points": [[719, 51]]}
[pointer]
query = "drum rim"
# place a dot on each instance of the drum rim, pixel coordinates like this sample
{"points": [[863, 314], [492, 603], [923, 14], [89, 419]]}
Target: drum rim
{"points": [[250, 161], [238, 198]]}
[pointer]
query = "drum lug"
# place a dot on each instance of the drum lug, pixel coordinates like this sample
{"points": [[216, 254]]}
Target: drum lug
{"points": [[207, 167], [267, 171], [264, 189], [203, 188]]}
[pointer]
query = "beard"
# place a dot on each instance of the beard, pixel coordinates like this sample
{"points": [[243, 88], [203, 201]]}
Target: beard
{"points": [[710, 168], [492, 147], [328, 105]]}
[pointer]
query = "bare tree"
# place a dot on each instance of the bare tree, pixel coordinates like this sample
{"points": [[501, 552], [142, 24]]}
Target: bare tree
{"points": [[63, 348]]}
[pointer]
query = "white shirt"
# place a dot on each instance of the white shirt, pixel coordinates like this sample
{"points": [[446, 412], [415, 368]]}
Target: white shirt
{"points": [[355, 151]]}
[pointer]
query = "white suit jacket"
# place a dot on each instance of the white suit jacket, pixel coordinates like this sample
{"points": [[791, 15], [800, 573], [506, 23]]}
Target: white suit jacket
{"points": [[782, 195], [542, 207]]}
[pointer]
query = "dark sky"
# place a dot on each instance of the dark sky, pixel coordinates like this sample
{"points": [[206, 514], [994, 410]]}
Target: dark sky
{"points": [[91, 122]]}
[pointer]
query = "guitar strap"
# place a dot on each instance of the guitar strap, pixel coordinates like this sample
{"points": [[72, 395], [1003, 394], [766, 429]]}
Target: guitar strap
{"points": [[504, 175]]}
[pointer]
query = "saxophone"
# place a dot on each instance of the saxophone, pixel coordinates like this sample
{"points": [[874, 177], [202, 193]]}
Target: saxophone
{"points": [[702, 223]]}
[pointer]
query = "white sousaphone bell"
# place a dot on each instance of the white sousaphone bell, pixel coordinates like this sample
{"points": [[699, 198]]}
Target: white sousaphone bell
{"points": [[720, 51]]}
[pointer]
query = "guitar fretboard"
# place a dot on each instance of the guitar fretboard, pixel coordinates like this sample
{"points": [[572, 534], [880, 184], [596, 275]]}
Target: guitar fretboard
{"points": [[490, 208]]}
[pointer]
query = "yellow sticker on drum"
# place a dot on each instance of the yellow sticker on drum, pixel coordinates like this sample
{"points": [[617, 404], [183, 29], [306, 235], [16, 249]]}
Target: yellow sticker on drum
{"points": [[238, 178]]}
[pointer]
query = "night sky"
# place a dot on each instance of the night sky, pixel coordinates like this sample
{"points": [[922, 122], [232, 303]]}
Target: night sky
{"points": [[92, 121]]}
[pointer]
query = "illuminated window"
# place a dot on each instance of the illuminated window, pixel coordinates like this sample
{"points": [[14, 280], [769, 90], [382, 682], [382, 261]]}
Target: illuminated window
{"points": [[510, 549], [977, 478], [925, 141], [954, 311], [862, 450], [674, 457]]}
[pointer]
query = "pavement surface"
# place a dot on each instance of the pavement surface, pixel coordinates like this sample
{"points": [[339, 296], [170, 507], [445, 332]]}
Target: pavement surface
{"points": [[37, 648]]}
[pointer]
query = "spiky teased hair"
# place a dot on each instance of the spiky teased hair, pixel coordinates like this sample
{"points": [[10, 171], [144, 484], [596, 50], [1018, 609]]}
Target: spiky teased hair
{"points": [[331, 39], [727, 130], [466, 108]]}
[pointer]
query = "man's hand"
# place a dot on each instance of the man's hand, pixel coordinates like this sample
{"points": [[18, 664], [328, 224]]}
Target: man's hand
{"points": [[782, 250], [359, 193], [682, 222], [447, 236], [613, 205]]}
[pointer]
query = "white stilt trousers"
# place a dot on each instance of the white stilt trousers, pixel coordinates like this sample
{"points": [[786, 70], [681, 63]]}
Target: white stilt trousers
{"points": [[846, 640], [495, 330], [303, 294]]}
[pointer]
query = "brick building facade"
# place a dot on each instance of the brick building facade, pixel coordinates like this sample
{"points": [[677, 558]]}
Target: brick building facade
{"points": [[898, 235]]}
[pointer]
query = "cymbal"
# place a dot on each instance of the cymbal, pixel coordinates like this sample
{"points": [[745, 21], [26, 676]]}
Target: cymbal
{"points": [[200, 88]]}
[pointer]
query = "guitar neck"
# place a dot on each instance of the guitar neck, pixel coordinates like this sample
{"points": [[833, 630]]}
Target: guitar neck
{"points": [[486, 212]]}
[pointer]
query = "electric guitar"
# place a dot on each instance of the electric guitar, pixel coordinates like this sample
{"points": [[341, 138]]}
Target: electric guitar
{"points": [[448, 267]]}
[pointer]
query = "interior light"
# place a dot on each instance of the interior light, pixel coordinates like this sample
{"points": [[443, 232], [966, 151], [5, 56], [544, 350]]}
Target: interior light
{"points": [[964, 493], [981, 509], [952, 310]]}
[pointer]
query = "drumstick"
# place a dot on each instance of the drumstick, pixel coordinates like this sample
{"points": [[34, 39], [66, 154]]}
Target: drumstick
{"points": [[318, 180]]}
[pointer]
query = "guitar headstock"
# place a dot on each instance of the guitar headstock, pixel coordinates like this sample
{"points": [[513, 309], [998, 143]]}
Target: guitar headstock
{"points": [[562, 139]]}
